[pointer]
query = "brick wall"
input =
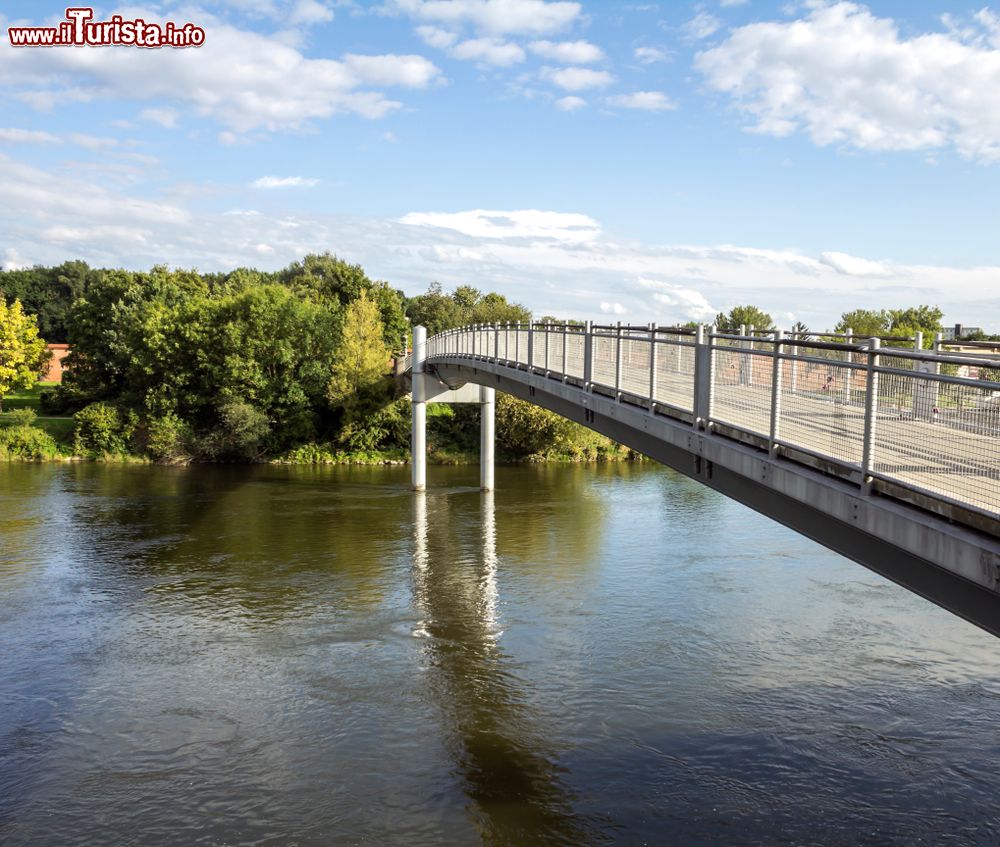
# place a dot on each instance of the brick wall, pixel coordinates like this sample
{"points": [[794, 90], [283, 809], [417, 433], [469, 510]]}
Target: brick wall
{"points": [[55, 371]]}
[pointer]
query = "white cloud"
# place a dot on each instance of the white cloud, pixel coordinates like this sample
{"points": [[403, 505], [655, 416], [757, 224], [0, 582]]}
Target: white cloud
{"points": [[564, 227], [569, 52], [12, 260], [268, 182], [612, 308], [577, 79], [845, 76], [92, 142], [650, 55], [12, 135], [493, 17], [241, 79], [728, 3], [491, 51], [650, 101], [687, 304], [555, 262], [436, 37], [854, 266], [308, 12], [701, 26], [164, 117], [570, 103]]}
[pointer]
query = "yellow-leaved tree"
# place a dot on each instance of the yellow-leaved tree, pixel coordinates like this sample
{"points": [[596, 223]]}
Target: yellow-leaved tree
{"points": [[359, 376], [22, 353]]}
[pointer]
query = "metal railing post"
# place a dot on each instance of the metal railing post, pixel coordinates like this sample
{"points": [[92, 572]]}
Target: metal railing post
{"points": [[749, 359], [703, 377], [565, 366], [871, 416], [531, 346], [776, 393], [588, 356], [545, 361], [652, 367], [618, 361]]}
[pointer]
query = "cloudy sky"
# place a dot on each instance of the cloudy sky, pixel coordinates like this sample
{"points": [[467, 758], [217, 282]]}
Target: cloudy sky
{"points": [[647, 161]]}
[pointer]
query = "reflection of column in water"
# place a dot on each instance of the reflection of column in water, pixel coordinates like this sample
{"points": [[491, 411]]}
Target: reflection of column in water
{"points": [[420, 559], [488, 581]]}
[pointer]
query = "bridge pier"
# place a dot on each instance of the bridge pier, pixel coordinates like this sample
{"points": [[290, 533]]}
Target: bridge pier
{"points": [[418, 431], [487, 429]]}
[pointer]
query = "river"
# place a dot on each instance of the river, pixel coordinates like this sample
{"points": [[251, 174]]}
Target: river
{"points": [[591, 655]]}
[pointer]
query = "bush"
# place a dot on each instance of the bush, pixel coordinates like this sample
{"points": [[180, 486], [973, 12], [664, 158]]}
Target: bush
{"points": [[101, 428], [26, 442], [168, 439], [23, 417], [240, 433]]}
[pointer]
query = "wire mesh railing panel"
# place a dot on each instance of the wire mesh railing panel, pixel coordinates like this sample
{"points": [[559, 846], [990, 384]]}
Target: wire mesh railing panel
{"points": [[576, 346], [940, 436], [822, 407], [635, 365], [604, 362], [741, 386], [675, 372], [554, 347]]}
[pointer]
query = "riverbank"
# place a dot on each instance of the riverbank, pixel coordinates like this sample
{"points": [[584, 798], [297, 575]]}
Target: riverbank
{"points": [[28, 435]]}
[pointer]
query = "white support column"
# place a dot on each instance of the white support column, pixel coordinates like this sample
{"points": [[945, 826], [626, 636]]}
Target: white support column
{"points": [[487, 398], [418, 433]]}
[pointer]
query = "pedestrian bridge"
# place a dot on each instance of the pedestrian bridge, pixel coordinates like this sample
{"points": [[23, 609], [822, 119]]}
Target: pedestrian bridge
{"points": [[888, 455]]}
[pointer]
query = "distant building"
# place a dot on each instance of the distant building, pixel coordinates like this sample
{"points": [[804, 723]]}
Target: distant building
{"points": [[55, 371], [958, 331]]}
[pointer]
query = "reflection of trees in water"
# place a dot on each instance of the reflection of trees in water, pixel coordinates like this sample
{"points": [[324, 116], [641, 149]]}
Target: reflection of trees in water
{"points": [[29, 512], [244, 541], [508, 771], [557, 518]]}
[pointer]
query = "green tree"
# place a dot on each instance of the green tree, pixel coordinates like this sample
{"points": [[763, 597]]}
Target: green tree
{"points": [[48, 293], [743, 316], [22, 353], [332, 280], [435, 310], [901, 323], [864, 323], [466, 305]]}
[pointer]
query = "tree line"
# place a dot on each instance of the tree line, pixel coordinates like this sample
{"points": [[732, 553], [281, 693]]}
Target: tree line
{"points": [[179, 365]]}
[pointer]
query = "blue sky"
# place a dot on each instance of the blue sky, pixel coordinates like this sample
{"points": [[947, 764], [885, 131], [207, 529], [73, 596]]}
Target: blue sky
{"points": [[644, 161]]}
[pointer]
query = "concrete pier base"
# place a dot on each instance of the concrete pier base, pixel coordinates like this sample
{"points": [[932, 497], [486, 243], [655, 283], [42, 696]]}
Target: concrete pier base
{"points": [[487, 428], [418, 432]]}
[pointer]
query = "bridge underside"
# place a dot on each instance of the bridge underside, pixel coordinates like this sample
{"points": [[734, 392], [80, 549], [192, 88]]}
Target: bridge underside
{"points": [[953, 566]]}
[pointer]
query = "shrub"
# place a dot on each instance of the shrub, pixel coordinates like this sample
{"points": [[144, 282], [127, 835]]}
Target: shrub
{"points": [[27, 442], [23, 417], [168, 439], [102, 428], [240, 433]]}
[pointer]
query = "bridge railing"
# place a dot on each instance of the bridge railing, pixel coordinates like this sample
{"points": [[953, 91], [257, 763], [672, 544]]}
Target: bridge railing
{"points": [[919, 425]]}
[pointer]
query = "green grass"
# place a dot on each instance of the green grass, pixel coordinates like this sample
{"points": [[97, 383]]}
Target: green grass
{"points": [[60, 428]]}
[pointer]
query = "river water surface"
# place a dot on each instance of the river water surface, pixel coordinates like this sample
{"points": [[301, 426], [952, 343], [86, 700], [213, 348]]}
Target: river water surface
{"points": [[590, 655]]}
